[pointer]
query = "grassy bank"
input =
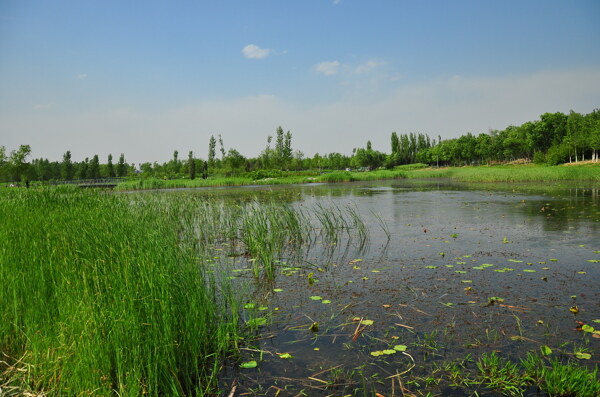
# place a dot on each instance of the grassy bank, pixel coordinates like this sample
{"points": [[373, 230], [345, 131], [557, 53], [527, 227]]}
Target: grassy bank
{"points": [[500, 173], [329, 177], [516, 173]]}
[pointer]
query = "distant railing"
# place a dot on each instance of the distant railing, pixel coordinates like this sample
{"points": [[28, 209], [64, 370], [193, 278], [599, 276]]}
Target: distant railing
{"points": [[99, 182]]}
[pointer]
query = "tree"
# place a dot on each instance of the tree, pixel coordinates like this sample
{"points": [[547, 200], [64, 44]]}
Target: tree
{"points": [[94, 168], [221, 147], [175, 164], [17, 164], [67, 170], [287, 149], [575, 133], [82, 171], [121, 166], [211, 151], [593, 121], [191, 165], [110, 169], [234, 162]]}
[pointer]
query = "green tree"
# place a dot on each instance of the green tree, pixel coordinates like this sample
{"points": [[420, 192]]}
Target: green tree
{"points": [[234, 162], [212, 143], [82, 171], [575, 134], [593, 121], [121, 166], [221, 147], [191, 165], [18, 166], [287, 149], [110, 169], [94, 168], [67, 167]]}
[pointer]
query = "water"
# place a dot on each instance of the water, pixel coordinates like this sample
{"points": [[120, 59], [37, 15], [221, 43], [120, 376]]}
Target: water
{"points": [[449, 270]]}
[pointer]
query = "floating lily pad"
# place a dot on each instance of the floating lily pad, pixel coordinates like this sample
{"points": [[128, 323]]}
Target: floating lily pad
{"points": [[316, 298], [326, 301], [377, 353], [389, 351], [460, 271], [367, 322], [430, 267], [546, 351], [400, 348], [277, 290], [249, 306], [249, 364], [285, 356], [583, 356], [257, 322], [587, 328], [529, 270]]}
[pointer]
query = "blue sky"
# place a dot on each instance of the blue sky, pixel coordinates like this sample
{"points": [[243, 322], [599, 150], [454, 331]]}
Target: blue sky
{"points": [[145, 78]]}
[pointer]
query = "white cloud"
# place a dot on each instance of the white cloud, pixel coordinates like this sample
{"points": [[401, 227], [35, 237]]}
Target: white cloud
{"points": [[327, 68], [252, 51], [81, 76], [365, 67]]}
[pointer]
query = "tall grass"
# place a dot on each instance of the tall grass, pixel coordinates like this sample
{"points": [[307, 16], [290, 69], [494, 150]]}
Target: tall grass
{"points": [[120, 294], [100, 297]]}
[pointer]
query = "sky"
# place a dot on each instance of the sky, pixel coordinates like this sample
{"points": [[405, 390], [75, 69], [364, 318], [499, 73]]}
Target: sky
{"points": [[145, 78]]}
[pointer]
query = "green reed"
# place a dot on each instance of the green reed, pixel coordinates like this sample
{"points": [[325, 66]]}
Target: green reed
{"points": [[102, 295], [121, 294]]}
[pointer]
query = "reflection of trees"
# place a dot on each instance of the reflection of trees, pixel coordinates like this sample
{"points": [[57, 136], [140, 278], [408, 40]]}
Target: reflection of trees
{"points": [[568, 209]]}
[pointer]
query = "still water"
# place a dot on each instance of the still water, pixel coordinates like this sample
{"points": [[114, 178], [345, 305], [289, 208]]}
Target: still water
{"points": [[448, 270]]}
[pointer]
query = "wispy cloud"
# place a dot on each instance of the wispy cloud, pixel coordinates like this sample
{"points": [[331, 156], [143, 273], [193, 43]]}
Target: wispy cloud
{"points": [[328, 68], [365, 67], [336, 2], [81, 76], [252, 51], [460, 104], [43, 106]]}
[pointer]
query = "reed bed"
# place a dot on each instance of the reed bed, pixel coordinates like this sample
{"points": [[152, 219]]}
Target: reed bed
{"points": [[122, 294]]}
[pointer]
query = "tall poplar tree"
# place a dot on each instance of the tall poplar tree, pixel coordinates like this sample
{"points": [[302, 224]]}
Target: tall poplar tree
{"points": [[121, 166], [110, 169], [212, 144], [191, 165], [67, 169]]}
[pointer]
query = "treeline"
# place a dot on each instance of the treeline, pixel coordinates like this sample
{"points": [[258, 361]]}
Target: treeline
{"points": [[553, 139], [15, 168]]}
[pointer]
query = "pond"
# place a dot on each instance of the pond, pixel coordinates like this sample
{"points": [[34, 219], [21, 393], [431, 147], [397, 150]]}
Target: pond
{"points": [[448, 272]]}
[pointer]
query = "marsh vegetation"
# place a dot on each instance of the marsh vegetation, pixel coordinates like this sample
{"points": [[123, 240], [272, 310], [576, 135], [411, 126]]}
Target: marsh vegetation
{"points": [[402, 287]]}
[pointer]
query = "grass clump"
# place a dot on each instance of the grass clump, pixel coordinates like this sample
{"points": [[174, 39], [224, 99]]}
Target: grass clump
{"points": [[558, 379]]}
